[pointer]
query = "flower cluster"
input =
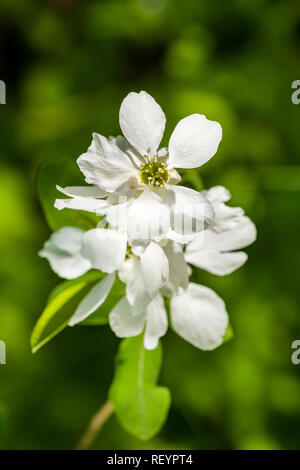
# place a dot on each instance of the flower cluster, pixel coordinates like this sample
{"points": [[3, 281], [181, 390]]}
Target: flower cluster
{"points": [[152, 229]]}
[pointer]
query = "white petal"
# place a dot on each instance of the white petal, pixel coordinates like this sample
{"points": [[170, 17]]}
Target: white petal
{"points": [[194, 141], [213, 251], [136, 292], [148, 216], [217, 194], [83, 191], [105, 248], [156, 322], [217, 262], [105, 165], [155, 268], [62, 250], [123, 323], [93, 299], [204, 241], [175, 177], [178, 268], [138, 247], [117, 214], [199, 316], [226, 217], [242, 235], [142, 122], [82, 203], [136, 158], [67, 239], [191, 211], [163, 154], [179, 237]]}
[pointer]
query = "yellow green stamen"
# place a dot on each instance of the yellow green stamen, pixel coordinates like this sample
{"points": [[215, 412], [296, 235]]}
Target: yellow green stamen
{"points": [[154, 173]]}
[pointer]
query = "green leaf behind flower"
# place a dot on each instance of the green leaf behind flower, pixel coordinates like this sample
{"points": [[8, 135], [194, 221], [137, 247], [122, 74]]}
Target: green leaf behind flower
{"points": [[61, 306], [141, 406], [62, 172]]}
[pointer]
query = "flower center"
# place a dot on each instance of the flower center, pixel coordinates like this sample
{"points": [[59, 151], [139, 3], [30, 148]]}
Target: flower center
{"points": [[154, 173]]}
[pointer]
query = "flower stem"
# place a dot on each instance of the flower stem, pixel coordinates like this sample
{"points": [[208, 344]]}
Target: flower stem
{"points": [[95, 425]]}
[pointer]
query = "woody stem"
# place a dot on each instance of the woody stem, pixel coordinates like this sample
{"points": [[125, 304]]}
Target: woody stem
{"points": [[95, 425]]}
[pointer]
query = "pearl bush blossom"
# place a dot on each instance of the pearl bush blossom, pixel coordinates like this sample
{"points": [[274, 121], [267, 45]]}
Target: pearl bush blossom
{"points": [[132, 175], [217, 249], [138, 177], [197, 313]]}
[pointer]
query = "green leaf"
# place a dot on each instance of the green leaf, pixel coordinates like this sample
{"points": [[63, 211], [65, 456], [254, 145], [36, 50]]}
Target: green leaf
{"points": [[62, 172], [141, 406], [90, 277], [60, 307], [100, 316]]}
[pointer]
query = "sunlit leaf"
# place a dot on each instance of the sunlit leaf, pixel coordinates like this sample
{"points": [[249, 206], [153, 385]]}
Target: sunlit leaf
{"points": [[141, 406], [61, 306]]}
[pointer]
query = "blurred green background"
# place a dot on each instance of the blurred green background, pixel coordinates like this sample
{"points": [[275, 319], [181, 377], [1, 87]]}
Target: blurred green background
{"points": [[67, 66]]}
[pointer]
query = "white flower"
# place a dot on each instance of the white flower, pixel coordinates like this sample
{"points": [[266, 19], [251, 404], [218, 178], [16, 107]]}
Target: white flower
{"points": [[158, 267], [135, 167], [154, 319], [198, 315], [72, 252], [104, 248], [226, 217], [62, 251], [133, 185], [142, 280], [179, 271], [217, 249]]}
